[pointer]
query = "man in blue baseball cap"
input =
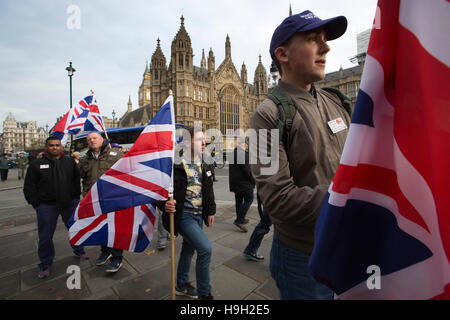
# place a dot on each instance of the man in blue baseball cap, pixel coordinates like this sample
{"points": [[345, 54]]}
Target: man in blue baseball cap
{"points": [[311, 143]]}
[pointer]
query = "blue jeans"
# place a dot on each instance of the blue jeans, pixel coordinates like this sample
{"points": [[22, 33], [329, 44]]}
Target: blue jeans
{"points": [[243, 202], [194, 239], [289, 268], [261, 229], [47, 218], [163, 234]]}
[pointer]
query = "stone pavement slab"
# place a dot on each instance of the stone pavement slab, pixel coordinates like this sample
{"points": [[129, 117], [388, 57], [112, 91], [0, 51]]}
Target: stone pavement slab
{"points": [[268, 290], [54, 290], [9, 285], [228, 284], [58, 269], [154, 284], [97, 279]]}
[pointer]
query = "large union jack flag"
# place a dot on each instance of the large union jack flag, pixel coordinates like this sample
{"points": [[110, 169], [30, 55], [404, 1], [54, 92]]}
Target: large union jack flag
{"points": [[388, 204], [119, 209]]}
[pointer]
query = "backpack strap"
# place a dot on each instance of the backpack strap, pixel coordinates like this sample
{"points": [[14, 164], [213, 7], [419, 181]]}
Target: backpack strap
{"points": [[345, 100], [287, 108]]}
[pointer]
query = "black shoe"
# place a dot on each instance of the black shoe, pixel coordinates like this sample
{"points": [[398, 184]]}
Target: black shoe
{"points": [[114, 265], [208, 297], [103, 258], [187, 290]]}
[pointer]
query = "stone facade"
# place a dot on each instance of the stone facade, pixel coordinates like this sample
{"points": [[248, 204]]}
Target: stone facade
{"points": [[218, 97], [21, 136]]}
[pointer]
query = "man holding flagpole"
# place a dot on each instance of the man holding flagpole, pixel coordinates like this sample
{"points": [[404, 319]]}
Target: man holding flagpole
{"points": [[193, 205]]}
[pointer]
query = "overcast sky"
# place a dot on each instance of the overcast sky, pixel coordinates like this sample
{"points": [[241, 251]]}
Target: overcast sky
{"points": [[116, 38]]}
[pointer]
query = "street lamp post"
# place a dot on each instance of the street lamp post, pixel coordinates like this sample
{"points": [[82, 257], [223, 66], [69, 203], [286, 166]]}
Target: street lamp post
{"points": [[274, 73], [114, 117], [70, 72]]}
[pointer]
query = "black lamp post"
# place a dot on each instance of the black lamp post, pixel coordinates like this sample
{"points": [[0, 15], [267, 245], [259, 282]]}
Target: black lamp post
{"points": [[274, 73], [70, 72], [114, 117]]}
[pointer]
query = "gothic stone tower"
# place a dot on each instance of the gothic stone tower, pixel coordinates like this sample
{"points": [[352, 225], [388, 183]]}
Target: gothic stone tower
{"points": [[219, 98]]}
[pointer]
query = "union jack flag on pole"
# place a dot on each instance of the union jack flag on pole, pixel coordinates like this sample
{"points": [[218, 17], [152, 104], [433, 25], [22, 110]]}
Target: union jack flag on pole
{"points": [[94, 120], [119, 209], [388, 207], [70, 124], [83, 117]]}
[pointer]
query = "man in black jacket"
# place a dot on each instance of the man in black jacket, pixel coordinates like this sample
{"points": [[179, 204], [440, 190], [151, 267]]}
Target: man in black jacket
{"points": [[52, 187], [241, 183], [193, 204]]}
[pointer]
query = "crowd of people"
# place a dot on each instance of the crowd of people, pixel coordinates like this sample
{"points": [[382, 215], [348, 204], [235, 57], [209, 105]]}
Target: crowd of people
{"points": [[290, 199]]}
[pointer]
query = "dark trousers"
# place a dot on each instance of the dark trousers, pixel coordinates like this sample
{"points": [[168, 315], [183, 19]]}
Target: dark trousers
{"points": [[47, 218], [243, 201], [4, 174], [116, 253], [261, 229]]}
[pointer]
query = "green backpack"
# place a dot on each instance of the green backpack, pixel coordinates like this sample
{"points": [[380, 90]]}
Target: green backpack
{"points": [[287, 109], [286, 113]]}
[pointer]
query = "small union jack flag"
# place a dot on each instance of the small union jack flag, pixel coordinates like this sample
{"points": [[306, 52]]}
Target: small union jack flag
{"points": [[119, 209], [94, 120]]}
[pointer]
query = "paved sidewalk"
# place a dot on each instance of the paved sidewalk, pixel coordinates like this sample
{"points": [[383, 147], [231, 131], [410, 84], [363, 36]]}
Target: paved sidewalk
{"points": [[143, 276]]}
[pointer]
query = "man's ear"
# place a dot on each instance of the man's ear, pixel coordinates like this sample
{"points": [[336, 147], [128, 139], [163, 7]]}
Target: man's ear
{"points": [[280, 54]]}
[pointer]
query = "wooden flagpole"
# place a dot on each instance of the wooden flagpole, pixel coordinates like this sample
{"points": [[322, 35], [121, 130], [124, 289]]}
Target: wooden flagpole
{"points": [[172, 236], [172, 250]]}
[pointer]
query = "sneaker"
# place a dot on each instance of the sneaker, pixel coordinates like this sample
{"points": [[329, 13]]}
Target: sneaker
{"points": [[103, 258], [114, 265], [83, 256], [161, 247], [208, 297], [254, 256], [187, 290], [240, 226], [246, 221], [44, 273]]}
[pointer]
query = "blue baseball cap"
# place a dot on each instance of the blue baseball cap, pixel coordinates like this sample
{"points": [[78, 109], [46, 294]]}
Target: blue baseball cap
{"points": [[306, 21]]}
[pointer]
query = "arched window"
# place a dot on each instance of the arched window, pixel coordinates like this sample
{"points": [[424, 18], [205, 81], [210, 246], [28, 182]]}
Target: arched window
{"points": [[156, 75], [229, 109], [180, 60]]}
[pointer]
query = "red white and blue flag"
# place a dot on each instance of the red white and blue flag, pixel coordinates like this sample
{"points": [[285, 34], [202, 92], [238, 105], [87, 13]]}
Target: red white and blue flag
{"points": [[70, 124], [119, 209], [83, 117], [94, 120], [388, 205]]}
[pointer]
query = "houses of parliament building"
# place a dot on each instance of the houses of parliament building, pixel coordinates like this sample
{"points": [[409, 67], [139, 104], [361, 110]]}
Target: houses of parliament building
{"points": [[218, 97]]}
